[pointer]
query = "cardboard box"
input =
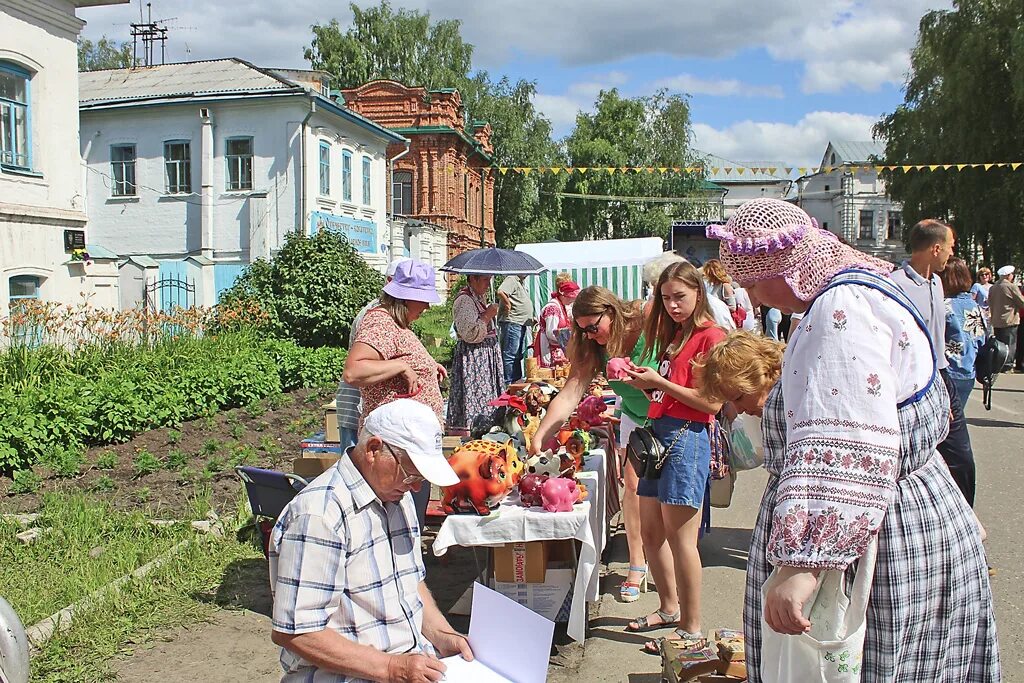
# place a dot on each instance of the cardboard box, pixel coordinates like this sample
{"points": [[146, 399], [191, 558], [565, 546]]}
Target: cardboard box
{"points": [[520, 562], [546, 599], [331, 430], [449, 444], [312, 467]]}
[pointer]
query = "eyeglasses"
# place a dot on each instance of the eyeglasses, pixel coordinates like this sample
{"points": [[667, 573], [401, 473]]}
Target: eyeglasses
{"points": [[408, 479], [592, 327]]}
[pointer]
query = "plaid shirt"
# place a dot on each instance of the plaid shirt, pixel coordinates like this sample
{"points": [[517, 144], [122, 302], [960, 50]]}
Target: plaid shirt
{"points": [[332, 566]]}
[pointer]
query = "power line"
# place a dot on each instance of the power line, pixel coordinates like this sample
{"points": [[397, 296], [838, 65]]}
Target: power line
{"points": [[619, 198]]}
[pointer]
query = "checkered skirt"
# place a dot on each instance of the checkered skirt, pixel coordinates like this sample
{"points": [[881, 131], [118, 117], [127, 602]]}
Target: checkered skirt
{"points": [[930, 616]]}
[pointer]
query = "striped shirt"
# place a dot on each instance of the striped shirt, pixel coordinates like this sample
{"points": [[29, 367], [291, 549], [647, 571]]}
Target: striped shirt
{"points": [[341, 559]]}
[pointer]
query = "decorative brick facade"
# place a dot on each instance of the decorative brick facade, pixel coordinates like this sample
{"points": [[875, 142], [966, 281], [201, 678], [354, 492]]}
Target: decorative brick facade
{"points": [[448, 166]]}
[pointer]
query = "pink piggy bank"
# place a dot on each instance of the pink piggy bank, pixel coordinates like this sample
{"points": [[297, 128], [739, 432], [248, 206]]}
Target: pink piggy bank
{"points": [[529, 489], [558, 494], [617, 368]]}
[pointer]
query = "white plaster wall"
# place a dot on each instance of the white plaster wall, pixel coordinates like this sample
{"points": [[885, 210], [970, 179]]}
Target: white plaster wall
{"points": [[740, 193], [163, 226]]}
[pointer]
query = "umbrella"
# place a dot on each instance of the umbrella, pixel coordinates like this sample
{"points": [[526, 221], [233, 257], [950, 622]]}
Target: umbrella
{"points": [[494, 261]]}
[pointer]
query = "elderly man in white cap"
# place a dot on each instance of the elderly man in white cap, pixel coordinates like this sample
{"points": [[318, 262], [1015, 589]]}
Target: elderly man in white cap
{"points": [[346, 568], [1004, 304], [346, 400]]}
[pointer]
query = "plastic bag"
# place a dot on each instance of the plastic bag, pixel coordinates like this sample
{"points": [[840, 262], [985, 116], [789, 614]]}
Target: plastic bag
{"points": [[747, 449]]}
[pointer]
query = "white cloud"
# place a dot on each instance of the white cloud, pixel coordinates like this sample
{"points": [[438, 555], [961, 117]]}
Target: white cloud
{"points": [[840, 42], [725, 87], [561, 109], [800, 144]]}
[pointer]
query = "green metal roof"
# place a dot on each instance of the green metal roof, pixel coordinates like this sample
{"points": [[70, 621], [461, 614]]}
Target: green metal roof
{"points": [[448, 130]]}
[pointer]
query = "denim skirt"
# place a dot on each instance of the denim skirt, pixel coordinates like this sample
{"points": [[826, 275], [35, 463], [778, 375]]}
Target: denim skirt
{"points": [[684, 476]]}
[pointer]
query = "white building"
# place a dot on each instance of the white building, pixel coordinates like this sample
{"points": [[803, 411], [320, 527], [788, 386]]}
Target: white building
{"points": [[746, 180], [42, 208], [204, 167], [852, 202]]}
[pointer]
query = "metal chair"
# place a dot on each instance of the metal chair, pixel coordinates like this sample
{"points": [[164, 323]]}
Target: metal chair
{"points": [[269, 491]]}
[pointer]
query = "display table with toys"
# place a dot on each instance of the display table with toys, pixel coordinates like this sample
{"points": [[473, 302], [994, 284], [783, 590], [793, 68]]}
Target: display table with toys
{"points": [[512, 522]]}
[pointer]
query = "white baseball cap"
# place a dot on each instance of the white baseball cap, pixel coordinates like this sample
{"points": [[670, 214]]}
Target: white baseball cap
{"points": [[413, 427], [393, 266], [1004, 271]]}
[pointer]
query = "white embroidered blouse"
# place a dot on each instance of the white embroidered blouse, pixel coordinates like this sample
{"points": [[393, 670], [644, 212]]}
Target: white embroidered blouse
{"points": [[855, 356]]}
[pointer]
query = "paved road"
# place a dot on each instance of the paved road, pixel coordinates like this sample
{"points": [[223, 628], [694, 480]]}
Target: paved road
{"points": [[998, 438]]}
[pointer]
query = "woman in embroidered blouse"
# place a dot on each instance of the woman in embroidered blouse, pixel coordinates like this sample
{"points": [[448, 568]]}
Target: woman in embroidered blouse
{"points": [[555, 323], [477, 374], [679, 329], [965, 327], [850, 432]]}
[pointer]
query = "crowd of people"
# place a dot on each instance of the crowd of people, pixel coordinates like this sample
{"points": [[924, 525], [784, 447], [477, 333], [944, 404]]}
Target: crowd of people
{"points": [[860, 371]]}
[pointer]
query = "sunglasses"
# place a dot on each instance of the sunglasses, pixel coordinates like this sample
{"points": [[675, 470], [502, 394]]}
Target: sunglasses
{"points": [[592, 327], [408, 479]]}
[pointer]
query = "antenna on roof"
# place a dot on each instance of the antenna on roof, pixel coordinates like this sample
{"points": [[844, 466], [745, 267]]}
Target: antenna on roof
{"points": [[149, 33]]}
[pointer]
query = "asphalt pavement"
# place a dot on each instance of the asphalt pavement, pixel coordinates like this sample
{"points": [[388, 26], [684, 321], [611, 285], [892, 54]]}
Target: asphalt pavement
{"points": [[997, 436]]}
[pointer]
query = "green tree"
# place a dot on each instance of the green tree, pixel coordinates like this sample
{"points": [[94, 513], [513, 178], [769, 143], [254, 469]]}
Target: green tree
{"points": [[105, 53], [401, 45], [964, 100], [406, 46], [643, 132], [312, 289]]}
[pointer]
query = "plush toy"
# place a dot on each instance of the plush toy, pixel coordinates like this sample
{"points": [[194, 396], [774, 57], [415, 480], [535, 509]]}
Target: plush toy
{"points": [[529, 489], [544, 463], [487, 472], [559, 494]]}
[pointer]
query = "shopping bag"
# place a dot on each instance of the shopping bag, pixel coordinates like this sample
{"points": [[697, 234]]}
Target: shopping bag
{"points": [[747, 450], [832, 651]]}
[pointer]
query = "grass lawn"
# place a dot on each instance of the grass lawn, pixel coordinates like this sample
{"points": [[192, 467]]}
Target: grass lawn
{"points": [[58, 570]]}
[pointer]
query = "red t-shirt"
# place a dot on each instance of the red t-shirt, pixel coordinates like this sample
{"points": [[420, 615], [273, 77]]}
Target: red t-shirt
{"points": [[679, 370]]}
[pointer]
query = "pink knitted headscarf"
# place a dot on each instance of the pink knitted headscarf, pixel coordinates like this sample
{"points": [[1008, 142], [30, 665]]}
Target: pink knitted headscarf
{"points": [[769, 238]]}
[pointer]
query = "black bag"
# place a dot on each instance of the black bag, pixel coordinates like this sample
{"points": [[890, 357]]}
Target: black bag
{"points": [[646, 453], [988, 364]]}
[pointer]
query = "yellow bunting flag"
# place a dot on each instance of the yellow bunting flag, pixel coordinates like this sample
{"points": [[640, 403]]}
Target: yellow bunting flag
{"points": [[879, 169], [526, 170], [714, 170], [826, 169], [932, 167], [961, 167], [740, 170], [582, 169], [988, 166], [556, 169], [663, 169], [503, 170], [610, 169], [1015, 166], [1001, 165], [772, 169], [802, 170]]}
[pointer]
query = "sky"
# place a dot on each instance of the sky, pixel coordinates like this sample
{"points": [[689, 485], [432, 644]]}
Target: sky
{"points": [[767, 79]]}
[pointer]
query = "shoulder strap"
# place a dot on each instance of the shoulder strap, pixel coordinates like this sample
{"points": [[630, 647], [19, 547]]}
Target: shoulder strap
{"points": [[886, 286]]}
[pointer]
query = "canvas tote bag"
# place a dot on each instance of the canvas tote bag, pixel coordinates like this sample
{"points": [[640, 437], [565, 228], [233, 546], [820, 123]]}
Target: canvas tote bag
{"points": [[831, 652]]}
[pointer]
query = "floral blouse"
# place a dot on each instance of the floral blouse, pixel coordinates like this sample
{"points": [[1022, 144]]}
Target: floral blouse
{"points": [[379, 330], [466, 311], [965, 335], [855, 356]]}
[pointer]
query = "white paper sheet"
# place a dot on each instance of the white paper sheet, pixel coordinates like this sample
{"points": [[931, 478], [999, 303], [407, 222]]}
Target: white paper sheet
{"points": [[496, 623], [461, 671]]}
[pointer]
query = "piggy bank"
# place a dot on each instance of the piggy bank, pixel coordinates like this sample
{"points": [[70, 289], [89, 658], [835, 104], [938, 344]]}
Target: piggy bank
{"points": [[485, 476], [559, 494], [581, 492], [529, 489], [544, 463], [617, 368], [591, 411]]}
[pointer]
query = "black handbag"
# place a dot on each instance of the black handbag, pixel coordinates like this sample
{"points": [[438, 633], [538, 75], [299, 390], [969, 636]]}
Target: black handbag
{"points": [[645, 452], [989, 363]]}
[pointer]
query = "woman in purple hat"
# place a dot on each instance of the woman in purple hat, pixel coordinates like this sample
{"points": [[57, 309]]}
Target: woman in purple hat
{"points": [[387, 360]]}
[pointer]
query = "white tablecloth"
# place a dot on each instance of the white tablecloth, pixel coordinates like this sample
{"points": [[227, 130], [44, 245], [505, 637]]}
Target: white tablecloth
{"points": [[513, 523]]}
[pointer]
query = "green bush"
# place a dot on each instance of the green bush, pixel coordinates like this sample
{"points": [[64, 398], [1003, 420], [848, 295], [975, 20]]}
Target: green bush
{"points": [[311, 290], [145, 463], [152, 386], [26, 481], [64, 462]]}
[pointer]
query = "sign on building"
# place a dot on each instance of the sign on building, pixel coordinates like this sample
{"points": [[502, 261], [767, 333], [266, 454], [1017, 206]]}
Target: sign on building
{"points": [[361, 234]]}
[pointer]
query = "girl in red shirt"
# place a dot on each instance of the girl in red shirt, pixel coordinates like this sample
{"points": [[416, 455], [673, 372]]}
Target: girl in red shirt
{"points": [[679, 329]]}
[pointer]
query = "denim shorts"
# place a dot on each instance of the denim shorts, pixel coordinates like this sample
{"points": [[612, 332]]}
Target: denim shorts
{"points": [[684, 476]]}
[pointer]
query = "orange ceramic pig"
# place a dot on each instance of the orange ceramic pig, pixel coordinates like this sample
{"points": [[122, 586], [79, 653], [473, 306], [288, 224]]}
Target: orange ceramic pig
{"points": [[487, 472]]}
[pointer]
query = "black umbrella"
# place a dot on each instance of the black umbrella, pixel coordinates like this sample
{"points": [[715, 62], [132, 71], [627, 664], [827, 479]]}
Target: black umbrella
{"points": [[494, 261]]}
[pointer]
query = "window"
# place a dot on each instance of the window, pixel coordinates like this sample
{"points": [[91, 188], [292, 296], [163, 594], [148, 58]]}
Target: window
{"points": [[346, 175], [894, 229], [832, 159], [178, 166], [827, 188], [14, 116], [23, 288], [824, 226], [325, 169], [867, 220], [239, 160], [401, 193], [122, 169], [465, 194], [366, 180]]}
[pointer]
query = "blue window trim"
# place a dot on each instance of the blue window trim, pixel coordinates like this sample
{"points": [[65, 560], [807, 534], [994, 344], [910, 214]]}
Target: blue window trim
{"points": [[252, 163], [346, 175], [167, 185], [366, 180], [325, 169], [12, 68], [24, 278]]}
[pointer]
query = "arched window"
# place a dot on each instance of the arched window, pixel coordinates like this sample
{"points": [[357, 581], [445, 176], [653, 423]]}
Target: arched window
{"points": [[401, 193], [15, 119]]}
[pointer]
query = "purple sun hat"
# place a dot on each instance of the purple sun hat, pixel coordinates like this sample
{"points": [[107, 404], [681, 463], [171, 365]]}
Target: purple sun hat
{"points": [[414, 281]]}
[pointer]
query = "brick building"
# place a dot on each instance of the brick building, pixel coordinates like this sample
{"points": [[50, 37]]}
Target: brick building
{"points": [[445, 178]]}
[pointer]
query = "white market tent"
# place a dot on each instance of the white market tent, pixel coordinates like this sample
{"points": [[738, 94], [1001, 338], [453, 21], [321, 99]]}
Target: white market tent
{"points": [[615, 264]]}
